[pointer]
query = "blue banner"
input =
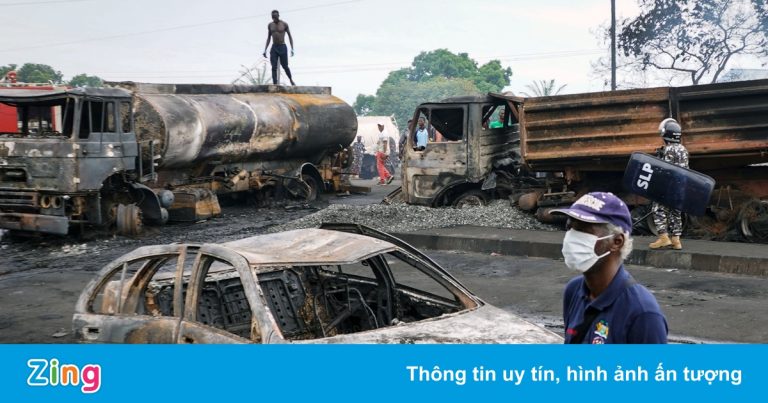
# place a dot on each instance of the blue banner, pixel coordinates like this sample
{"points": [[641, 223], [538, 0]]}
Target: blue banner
{"points": [[383, 373]]}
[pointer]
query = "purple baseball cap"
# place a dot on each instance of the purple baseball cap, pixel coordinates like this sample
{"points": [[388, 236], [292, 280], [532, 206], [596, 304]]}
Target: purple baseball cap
{"points": [[600, 208]]}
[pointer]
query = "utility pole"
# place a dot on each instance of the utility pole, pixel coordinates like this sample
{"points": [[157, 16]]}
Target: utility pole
{"points": [[613, 45]]}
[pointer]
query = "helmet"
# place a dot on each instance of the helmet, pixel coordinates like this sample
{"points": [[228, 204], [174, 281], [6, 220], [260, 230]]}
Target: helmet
{"points": [[670, 130]]}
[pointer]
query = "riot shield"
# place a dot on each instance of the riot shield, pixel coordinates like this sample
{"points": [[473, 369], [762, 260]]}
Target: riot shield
{"points": [[668, 184]]}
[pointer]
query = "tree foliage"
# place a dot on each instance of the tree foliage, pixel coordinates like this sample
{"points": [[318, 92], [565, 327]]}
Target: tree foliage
{"points": [[433, 76], [5, 69], [43, 73], [693, 39], [39, 73], [401, 99], [543, 88], [364, 104], [84, 80]]}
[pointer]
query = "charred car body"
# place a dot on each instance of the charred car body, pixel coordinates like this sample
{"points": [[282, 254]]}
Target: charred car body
{"points": [[550, 150], [151, 152], [342, 284]]}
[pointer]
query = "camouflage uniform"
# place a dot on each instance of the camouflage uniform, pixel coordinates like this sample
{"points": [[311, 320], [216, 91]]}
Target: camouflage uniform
{"points": [[674, 153], [358, 149]]}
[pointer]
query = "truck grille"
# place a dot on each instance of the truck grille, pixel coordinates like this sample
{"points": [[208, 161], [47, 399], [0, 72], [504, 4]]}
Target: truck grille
{"points": [[18, 199]]}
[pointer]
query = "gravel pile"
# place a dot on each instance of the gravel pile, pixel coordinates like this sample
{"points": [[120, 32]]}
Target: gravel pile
{"points": [[403, 218]]}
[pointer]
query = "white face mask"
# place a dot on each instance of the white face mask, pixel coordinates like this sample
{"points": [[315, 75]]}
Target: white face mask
{"points": [[579, 250]]}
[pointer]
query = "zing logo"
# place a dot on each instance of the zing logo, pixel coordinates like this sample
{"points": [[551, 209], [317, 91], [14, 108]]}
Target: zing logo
{"points": [[49, 373]]}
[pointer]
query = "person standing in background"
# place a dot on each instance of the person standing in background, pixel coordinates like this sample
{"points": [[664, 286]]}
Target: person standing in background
{"points": [[382, 154], [666, 219], [358, 149]]}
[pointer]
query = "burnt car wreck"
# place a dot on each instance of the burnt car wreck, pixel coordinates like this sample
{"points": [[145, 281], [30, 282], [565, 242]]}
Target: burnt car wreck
{"points": [[343, 283]]}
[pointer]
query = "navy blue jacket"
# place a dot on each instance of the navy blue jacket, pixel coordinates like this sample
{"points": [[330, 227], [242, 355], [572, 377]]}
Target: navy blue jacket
{"points": [[627, 312]]}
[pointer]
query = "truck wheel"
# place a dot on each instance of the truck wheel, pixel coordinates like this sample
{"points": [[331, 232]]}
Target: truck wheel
{"points": [[129, 220], [753, 220], [470, 198], [312, 187]]}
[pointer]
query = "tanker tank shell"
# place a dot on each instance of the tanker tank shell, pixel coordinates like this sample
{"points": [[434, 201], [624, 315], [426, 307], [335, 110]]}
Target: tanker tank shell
{"points": [[192, 129]]}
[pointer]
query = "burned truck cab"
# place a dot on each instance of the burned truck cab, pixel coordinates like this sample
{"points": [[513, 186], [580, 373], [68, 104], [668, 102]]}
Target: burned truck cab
{"points": [[58, 152], [470, 156]]}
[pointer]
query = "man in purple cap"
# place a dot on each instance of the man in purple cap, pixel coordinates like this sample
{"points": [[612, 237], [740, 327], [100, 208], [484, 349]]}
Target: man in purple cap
{"points": [[605, 304]]}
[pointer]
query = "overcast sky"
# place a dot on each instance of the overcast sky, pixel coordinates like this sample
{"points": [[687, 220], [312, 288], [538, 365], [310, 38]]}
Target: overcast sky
{"points": [[349, 45]]}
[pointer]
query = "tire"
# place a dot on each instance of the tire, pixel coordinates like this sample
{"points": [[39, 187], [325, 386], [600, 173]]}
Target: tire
{"points": [[313, 187], [129, 220], [470, 198]]}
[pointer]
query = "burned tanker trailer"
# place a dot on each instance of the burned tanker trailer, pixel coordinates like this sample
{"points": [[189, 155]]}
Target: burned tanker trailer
{"points": [[138, 154]]}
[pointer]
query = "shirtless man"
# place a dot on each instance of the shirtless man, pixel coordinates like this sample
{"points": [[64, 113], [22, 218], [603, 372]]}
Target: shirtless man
{"points": [[276, 31]]}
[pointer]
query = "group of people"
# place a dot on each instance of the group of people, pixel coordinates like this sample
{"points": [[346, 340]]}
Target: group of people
{"points": [[386, 154], [605, 304]]}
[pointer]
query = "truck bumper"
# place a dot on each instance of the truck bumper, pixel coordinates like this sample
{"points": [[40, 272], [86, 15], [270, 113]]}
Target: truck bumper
{"points": [[35, 223]]}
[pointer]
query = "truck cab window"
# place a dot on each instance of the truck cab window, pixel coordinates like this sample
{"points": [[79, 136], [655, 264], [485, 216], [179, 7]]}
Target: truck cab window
{"points": [[495, 117], [109, 117], [125, 117], [447, 125], [100, 115], [50, 118], [85, 120]]}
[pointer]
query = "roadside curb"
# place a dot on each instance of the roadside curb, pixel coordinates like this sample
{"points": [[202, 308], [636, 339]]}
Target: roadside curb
{"points": [[723, 257]]}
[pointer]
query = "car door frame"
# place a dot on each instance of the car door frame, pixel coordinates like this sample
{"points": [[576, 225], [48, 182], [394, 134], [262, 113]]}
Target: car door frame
{"points": [[193, 332], [123, 326], [451, 281]]}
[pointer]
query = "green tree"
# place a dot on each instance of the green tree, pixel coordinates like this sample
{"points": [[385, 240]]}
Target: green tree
{"points": [[442, 63], [543, 88], [84, 80], [39, 73], [364, 104], [693, 40], [492, 77], [401, 99], [433, 76], [5, 69]]}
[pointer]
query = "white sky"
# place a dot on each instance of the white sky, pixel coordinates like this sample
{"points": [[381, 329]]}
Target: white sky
{"points": [[350, 45]]}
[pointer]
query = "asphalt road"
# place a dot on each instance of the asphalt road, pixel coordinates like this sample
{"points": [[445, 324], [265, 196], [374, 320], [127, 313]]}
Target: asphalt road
{"points": [[699, 306]]}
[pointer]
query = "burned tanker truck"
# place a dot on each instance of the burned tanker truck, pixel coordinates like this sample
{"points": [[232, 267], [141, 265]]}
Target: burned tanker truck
{"points": [[134, 154]]}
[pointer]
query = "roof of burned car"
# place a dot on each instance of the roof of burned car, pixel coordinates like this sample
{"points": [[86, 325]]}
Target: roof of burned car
{"points": [[308, 247]]}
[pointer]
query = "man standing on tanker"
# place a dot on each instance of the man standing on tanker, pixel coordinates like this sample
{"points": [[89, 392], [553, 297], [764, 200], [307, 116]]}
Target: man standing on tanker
{"points": [[666, 219], [276, 31]]}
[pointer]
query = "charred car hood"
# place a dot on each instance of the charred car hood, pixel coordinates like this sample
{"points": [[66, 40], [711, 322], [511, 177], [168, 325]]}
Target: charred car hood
{"points": [[484, 325]]}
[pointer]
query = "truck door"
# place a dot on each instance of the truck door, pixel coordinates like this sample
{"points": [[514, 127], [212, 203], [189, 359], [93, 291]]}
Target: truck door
{"points": [[443, 162]]}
